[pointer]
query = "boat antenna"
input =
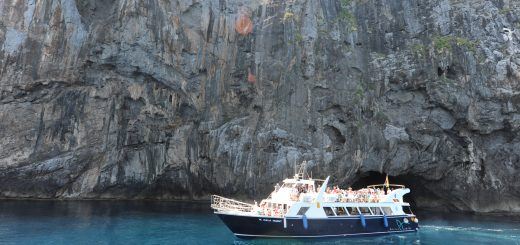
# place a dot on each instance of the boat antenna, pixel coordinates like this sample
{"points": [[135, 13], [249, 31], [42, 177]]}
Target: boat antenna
{"points": [[302, 171], [295, 171]]}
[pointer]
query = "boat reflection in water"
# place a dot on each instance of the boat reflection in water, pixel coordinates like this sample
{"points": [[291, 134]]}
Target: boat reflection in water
{"points": [[303, 207]]}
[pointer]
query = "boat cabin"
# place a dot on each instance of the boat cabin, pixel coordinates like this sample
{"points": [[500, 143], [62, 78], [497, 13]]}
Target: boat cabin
{"points": [[297, 197]]}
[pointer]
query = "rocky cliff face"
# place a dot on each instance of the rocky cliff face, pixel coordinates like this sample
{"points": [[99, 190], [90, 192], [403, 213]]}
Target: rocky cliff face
{"points": [[180, 99]]}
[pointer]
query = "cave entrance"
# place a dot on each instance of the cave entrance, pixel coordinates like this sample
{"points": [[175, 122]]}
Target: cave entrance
{"points": [[419, 197]]}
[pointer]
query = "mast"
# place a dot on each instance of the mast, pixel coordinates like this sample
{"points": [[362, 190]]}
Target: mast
{"points": [[302, 171]]}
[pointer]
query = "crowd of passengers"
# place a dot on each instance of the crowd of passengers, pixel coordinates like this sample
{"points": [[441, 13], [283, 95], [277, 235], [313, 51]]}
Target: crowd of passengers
{"points": [[275, 210], [349, 195], [362, 195]]}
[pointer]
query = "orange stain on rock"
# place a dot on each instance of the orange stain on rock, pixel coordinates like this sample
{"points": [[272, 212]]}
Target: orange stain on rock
{"points": [[250, 77], [243, 24]]}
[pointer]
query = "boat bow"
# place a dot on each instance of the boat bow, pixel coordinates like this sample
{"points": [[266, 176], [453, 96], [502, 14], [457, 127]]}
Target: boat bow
{"points": [[228, 205]]}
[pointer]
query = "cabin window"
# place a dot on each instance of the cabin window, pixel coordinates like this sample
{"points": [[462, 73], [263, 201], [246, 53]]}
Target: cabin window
{"points": [[287, 185], [407, 210], [328, 211], [341, 211], [376, 210], [302, 210], [387, 210], [365, 210], [352, 210]]}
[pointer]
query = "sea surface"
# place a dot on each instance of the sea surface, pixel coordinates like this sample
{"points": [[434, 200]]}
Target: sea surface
{"points": [[152, 222]]}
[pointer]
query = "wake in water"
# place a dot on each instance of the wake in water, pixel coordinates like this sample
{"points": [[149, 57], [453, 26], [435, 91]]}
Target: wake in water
{"points": [[479, 233], [454, 228]]}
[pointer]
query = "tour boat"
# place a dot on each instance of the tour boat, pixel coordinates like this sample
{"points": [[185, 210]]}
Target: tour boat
{"points": [[303, 207]]}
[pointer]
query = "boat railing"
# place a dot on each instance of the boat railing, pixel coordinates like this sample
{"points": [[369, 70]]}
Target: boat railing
{"points": [[226, 204], [381, 186]]}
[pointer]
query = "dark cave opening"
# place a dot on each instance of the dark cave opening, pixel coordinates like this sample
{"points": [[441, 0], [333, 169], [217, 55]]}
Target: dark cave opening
{"points": [[420, 197]]}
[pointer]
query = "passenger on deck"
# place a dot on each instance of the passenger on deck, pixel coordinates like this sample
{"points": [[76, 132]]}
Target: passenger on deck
{"points": [[380, 195], [350, 195], [294, 194], [370, 196]]}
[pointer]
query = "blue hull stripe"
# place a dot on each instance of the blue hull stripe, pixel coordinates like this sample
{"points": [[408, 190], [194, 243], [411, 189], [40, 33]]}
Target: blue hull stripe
{"points": [[330, 227], [317, 236]]}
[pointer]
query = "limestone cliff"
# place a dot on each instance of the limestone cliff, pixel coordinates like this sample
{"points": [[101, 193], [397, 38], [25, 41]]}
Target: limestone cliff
{"points": [[179, 99]]}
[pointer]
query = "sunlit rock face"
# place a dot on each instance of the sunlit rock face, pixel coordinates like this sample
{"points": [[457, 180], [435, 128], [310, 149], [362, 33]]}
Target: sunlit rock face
{"points": [[181, 99]]}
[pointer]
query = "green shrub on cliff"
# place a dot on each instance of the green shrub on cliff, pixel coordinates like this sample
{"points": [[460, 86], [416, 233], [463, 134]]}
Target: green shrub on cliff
{"points": [[346, 16], [444, 44]]}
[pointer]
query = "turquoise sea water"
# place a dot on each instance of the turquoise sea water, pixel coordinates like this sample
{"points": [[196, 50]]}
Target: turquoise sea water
{"points": [[140, 222]]}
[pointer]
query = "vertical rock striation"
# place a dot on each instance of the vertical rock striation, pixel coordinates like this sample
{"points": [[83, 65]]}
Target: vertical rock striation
{"points": [[180, 99]]}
